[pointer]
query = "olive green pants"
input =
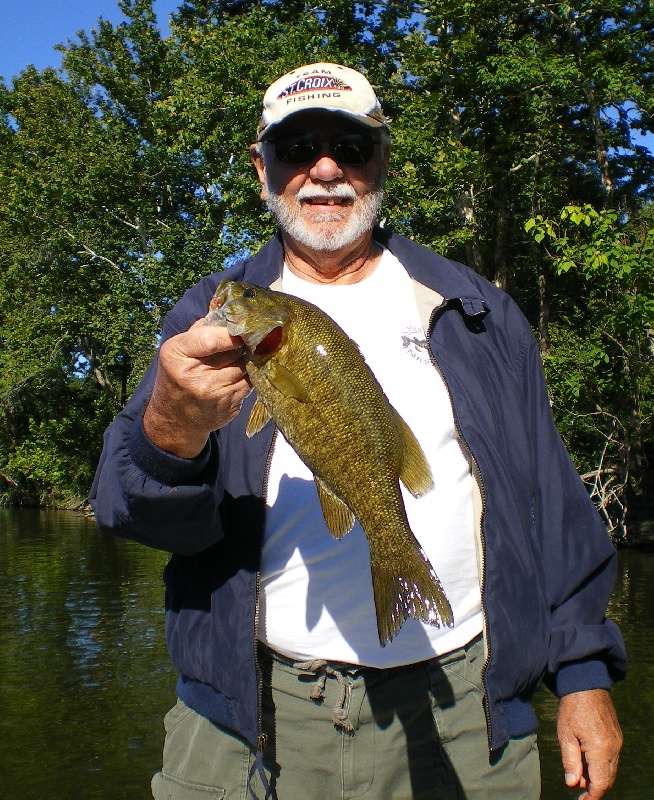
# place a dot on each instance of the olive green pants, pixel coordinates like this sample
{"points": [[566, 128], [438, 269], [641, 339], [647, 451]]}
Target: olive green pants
{"points": [[337, 732]]}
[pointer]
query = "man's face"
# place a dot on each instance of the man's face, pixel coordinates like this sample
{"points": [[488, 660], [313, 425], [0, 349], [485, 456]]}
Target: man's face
{"points": [[323, 204]]}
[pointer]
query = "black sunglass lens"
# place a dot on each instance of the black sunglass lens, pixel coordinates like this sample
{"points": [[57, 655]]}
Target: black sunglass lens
{"points": [[352, 148], [347, 148], [297, 149]]}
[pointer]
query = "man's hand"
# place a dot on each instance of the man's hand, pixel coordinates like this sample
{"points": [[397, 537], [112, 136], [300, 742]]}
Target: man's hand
{"points": [[590, 740], [200, 385]]}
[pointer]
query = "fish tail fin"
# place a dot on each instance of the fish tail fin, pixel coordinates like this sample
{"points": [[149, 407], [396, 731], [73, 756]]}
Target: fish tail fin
{"points": [[413, 590]]}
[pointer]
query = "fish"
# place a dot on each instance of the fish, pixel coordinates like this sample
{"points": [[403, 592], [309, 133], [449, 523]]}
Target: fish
{"points": [[311, 379]]}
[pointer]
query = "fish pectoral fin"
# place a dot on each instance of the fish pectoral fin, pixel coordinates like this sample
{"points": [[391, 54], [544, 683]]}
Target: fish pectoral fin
{"points": [[415, 472], [338, 517], [285, 381], [259, 416]]}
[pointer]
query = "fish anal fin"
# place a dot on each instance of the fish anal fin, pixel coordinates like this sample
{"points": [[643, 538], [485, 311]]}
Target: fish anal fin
{"points": [[259, 416], [338, 517], [285, 381], [413, 591], [415, 472]]}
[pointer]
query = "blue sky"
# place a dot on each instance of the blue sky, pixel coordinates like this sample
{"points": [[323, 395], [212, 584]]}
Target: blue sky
{"points": [[29, 29]]}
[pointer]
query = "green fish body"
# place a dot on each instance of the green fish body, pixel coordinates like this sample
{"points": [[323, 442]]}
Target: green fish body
{"points": [[312, 380]]}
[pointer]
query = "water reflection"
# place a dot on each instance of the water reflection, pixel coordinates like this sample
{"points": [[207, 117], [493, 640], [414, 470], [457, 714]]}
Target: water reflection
{"points": [[84, 676], [632, 607], [85, 679]]}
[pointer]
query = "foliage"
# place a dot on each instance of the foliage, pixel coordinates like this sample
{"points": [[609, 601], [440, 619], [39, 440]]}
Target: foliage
{"points": [[125, 177], [515, 106], [600, 370]]}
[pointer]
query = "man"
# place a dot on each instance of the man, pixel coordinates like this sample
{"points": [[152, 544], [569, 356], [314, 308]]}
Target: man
{"points": [[284, 688]]}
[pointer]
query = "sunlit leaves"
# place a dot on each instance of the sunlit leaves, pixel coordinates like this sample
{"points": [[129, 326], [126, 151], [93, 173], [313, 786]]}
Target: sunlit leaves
{"points": [[604, 368], [126, 178]]}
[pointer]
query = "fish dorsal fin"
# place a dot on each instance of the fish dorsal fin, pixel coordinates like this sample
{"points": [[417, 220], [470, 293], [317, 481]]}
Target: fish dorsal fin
{"points": [[415, 472], [337, 515], [259, 416], [285, 381]]}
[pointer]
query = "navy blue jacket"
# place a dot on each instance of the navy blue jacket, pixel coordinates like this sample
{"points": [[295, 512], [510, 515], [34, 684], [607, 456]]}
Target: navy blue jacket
{"points": [[548, 563]]}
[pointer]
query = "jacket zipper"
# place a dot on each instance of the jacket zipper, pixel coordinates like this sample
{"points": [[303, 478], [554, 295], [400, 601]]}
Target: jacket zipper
{"points": [[262, 738], [437, 311]]}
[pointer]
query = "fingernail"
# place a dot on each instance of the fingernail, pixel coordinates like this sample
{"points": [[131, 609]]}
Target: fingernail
{"points": [[569, 778]]}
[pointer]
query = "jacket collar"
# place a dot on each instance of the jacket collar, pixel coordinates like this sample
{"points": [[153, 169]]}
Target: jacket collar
{"points": [[453, 281], [449, 278]]}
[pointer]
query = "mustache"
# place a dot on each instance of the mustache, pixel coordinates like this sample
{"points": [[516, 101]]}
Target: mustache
{"points": [[341, 191]]}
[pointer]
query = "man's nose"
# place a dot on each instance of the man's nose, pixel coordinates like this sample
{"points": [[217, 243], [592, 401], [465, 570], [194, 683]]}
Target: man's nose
{"points": [[325, 167]]}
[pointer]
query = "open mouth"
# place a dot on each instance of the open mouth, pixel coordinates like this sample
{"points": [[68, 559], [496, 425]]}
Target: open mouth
{"points": [[336, 202], [337, 197]]}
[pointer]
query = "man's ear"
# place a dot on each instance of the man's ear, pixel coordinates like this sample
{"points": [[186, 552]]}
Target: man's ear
{"points": [[259, 165]]}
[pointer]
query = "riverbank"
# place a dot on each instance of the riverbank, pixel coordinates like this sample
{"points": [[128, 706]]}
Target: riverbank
{"points": [[640, 536], [640, 532]]}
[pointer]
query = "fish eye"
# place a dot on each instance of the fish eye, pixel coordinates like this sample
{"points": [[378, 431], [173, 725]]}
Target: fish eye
{"points": [[249, 293]]}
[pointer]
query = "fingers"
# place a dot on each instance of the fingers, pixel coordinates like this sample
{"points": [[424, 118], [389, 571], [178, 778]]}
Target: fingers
{"points": [[200, 384], [208, 341], [572, 763], [200, 363], [590, 740]]}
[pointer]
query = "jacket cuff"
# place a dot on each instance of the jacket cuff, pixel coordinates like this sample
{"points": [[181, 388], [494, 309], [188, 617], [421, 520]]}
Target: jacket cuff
{"points": [[162, 466], [581, 676]]}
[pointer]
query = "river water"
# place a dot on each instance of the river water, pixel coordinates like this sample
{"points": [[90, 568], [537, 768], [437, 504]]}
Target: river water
{"points": [[85, 679]]}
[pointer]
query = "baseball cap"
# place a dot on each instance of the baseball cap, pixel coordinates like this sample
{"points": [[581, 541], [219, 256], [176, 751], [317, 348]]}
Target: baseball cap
{"points": [[321, 87]]}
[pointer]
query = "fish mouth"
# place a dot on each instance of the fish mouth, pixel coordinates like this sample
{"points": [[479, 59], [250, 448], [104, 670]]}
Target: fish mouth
{"points": [[231, 317], [258, 324], [221, 309], [216, 315]]}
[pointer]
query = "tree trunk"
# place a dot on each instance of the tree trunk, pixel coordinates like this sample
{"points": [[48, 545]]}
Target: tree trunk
{"points": [[501, 278], [601, 154], [464, 202], [543, 306]]}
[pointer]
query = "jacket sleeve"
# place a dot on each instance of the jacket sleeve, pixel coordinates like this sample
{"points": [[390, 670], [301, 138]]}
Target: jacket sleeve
{"points": [[586, 650], [143, 493]]}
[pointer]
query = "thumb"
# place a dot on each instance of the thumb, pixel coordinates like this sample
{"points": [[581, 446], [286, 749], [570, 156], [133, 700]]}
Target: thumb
{"points": [[572, 761], [202, 340]]}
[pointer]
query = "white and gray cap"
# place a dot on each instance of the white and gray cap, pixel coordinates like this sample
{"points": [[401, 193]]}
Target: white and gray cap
{"points": [[321, 87]]}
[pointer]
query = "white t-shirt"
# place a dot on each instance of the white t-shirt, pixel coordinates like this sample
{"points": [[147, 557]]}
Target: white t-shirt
{"points": [[316, 592]]}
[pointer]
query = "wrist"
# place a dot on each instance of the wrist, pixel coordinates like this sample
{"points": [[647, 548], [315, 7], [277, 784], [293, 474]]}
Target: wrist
{"points": [[163, 466], [580, 676], [166, 429]]}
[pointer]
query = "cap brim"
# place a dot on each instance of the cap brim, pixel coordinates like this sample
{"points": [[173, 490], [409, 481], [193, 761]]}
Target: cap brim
{"points": [[361, 119]]}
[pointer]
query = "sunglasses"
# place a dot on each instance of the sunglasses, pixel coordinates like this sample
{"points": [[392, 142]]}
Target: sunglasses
{"points": [[303, 148]]}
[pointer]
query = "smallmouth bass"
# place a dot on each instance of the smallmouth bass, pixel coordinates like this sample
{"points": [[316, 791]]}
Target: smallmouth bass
{"points": [[313, 381]]}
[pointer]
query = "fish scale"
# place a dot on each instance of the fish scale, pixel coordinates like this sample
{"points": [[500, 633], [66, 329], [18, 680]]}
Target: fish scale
{"points": [[312, 380]]}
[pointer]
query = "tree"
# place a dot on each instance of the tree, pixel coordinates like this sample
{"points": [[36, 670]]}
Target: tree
{"points": [[77, 313], [521, 107], [126, 177], [601, 370], [122, 184]]}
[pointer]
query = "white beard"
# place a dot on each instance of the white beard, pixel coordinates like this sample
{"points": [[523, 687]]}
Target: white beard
{"points": [[361, 222]]}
